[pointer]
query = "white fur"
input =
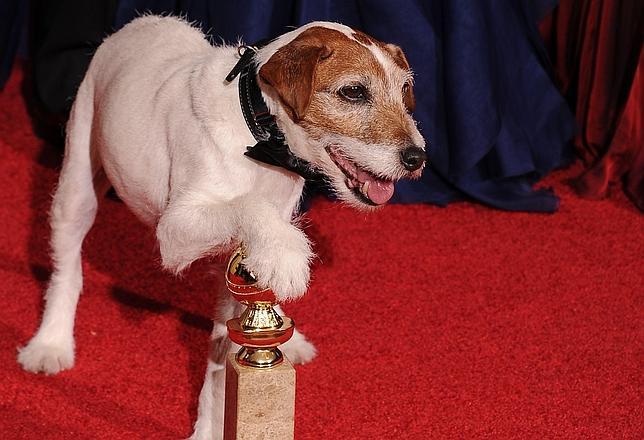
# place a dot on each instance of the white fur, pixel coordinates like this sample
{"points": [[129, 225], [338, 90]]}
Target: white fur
{"points": [[154, 119]]}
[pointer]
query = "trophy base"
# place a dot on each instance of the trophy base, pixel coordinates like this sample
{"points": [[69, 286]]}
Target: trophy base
{"points": [[260, 403]]}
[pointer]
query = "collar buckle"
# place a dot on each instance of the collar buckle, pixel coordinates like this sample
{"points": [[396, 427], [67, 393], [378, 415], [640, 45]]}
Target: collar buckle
{"points": [[246, 55]]}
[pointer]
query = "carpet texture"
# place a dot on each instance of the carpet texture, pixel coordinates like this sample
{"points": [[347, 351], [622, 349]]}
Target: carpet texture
{"points": [[458, 322]]}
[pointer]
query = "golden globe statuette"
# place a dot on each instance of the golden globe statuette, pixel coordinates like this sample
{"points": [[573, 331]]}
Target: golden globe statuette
{"points": [[260, 329], [260, 381]]}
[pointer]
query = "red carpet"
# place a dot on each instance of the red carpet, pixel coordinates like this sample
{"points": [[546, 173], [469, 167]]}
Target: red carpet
{"points": [[461, 322]]}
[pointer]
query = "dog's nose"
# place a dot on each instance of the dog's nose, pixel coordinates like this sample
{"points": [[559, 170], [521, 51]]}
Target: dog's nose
{"points": [[412, 158]]}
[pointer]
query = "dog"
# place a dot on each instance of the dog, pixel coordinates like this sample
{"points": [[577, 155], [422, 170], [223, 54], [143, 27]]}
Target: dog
{"points": [[156, 119]]}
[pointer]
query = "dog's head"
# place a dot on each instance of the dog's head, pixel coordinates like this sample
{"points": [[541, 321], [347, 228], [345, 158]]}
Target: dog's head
{"points": [[344, 101]]}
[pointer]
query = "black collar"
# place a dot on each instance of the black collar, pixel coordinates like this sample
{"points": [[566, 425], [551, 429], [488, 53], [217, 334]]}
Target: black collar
{"points": [[271, 147]]}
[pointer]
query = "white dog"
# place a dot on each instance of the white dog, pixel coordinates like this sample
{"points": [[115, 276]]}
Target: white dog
{"points": [[156, 119]]}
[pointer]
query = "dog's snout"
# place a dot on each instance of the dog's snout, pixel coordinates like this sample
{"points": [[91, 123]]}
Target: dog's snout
{"points": [[412, 158]]}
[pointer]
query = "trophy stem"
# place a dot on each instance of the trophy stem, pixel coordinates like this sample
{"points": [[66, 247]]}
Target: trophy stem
{"points": [[259, 357]]}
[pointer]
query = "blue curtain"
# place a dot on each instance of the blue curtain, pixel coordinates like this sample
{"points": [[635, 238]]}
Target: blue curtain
{"points": [[486, 105]]}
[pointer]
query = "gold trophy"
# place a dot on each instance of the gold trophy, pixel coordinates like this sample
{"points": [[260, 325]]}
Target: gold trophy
{"points": [[260, 381], [260, 329]]}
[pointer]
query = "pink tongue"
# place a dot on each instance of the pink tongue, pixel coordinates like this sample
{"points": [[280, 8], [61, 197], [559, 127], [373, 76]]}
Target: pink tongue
{"points": [[380, 191]]}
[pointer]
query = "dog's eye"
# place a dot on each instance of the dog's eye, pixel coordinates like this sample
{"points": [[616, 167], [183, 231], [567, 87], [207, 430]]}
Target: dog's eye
{"points": [[355, 93], [405, 88]]}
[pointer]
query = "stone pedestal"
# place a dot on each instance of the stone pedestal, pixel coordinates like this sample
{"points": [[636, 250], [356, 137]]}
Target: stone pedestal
{"points": [[260, 403]]}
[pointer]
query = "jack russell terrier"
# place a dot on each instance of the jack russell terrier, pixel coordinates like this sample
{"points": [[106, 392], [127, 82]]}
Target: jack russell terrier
{"points": [[166, 118]]}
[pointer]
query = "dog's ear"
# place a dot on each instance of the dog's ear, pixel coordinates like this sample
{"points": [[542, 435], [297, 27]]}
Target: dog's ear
{"points": [[398, 55], [291, 73], [401, 60]]}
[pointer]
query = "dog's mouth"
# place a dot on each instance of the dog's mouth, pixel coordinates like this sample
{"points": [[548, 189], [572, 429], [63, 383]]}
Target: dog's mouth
{"points": [[368, 188]]}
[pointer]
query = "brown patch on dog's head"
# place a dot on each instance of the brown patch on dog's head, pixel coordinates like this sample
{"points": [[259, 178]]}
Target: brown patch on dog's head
{"points": [[291, 73], [363, 38], [397, 54], [401, 60], [309, 74]]}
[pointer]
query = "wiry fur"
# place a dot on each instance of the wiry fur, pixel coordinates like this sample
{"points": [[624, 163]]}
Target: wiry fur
{"points": [[154, 119]]}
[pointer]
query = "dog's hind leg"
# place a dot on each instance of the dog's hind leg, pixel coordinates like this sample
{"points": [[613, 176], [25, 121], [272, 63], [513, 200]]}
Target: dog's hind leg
{"points": [[72, 214], [210, 420], [298, 349]]}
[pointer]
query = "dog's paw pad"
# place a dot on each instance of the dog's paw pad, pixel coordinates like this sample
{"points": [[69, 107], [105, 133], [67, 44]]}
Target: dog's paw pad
{"points": [[298, 350], [46, 358]]}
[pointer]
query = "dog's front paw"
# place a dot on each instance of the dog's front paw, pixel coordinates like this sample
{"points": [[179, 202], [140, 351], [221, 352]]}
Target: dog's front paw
{"points": [[47, 357], [283, 266]]}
